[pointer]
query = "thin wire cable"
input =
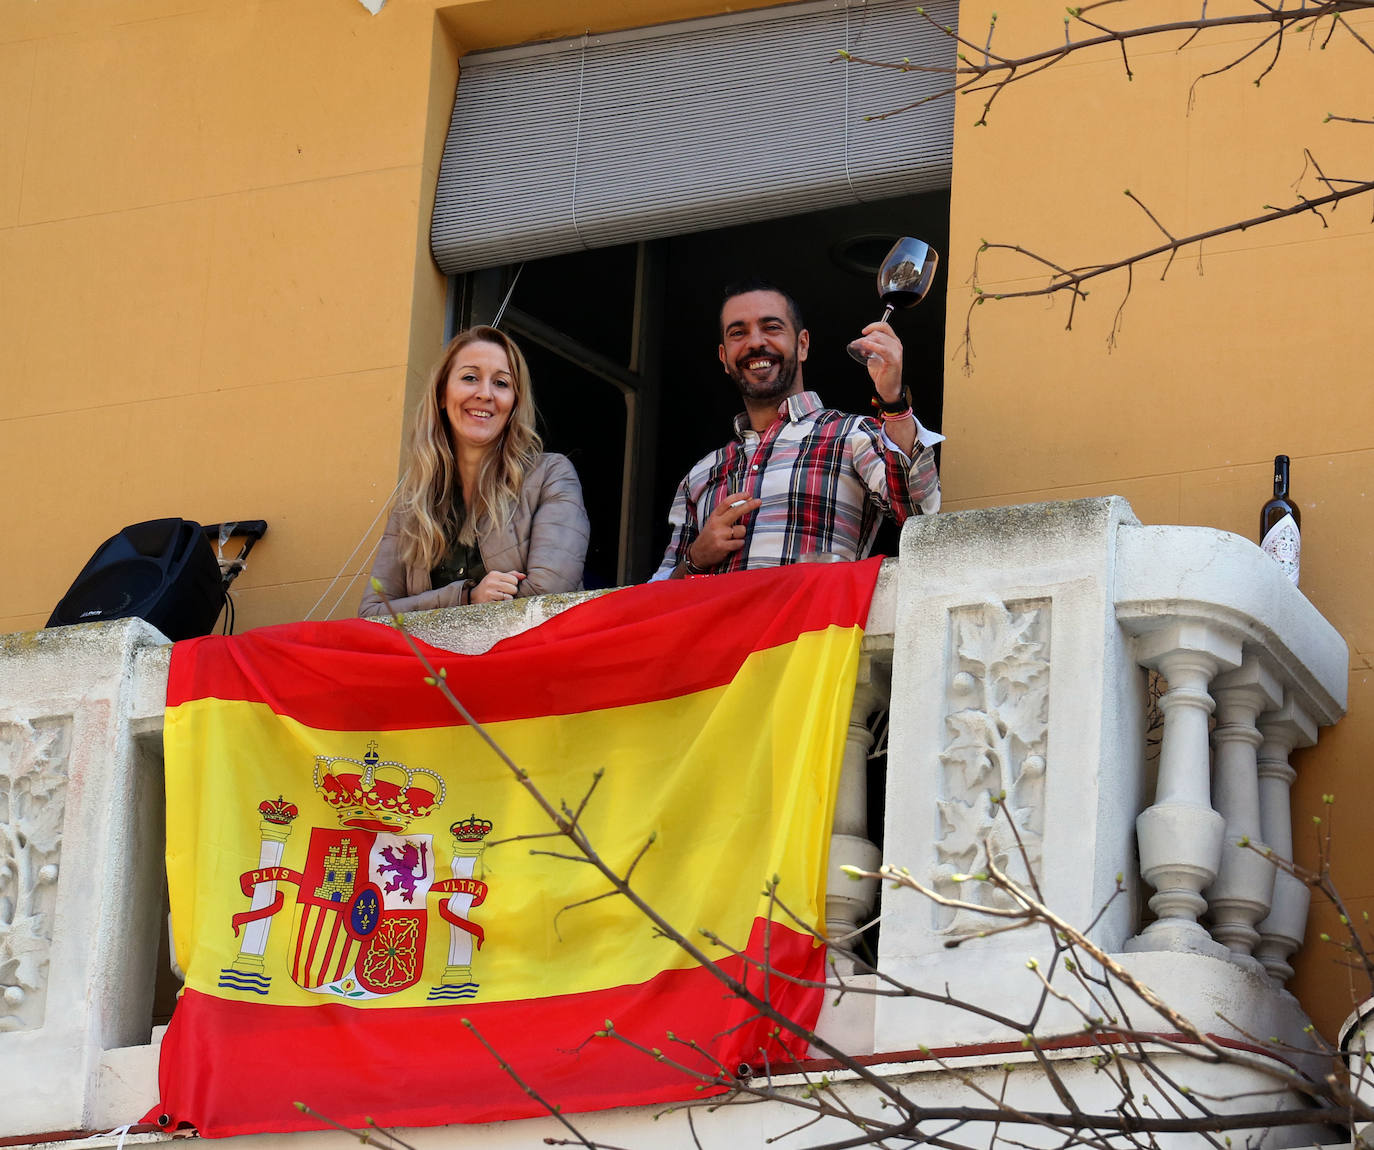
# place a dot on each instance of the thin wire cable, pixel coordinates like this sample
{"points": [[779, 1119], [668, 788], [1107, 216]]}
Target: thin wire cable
{"points": [[848, 47], [510, 291], [367, 566], [386, 505], [577, 140]]}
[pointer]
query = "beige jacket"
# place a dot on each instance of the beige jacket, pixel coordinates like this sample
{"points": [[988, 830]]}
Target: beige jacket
{"points": [[546, 538]]}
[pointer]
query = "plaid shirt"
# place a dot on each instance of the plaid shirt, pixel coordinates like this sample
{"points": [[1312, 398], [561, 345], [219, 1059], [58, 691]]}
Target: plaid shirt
{"points": [[825, 478]]}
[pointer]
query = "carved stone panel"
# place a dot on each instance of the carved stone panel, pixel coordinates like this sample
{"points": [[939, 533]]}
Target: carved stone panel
{"points": [[33, 784], [997, 728]]}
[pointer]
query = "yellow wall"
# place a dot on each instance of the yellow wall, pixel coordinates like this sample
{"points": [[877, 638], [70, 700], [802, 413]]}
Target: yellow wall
{"points": [[216, 292], [209, 219], [1262, 349]]}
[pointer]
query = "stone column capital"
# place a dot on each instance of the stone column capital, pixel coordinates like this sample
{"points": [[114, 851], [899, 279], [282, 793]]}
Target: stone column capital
{"points": [[1288, 725], [1210, 646], [1252, 687]]}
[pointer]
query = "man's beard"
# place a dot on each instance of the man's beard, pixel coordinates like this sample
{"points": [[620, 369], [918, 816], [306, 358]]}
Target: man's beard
{"points": [[774, 388]]}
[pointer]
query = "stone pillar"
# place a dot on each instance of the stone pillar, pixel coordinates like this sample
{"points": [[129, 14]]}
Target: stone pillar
{"points": [[1244, 885], [1282, 932], [81, 840], [1015, 733], [848, 901], [1180, 834]]}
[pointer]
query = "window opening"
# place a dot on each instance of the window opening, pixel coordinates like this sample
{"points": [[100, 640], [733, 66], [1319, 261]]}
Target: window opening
{"points": [[622, 349]]}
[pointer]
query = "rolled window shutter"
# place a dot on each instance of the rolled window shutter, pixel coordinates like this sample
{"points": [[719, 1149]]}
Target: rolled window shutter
{"points": [[683, 127]]}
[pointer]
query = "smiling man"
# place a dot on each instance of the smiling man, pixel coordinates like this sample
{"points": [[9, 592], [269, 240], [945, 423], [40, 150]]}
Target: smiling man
{"points": [[798, 479]]}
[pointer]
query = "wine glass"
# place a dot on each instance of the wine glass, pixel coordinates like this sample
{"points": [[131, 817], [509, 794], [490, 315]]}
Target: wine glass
{"points": [[903, 280]]}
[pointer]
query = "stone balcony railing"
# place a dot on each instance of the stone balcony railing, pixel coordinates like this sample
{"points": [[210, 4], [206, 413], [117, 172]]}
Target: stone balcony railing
{"points": [[1012, 647]]}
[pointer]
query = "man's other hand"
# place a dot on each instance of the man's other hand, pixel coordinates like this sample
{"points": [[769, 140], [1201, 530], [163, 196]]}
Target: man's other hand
{"points": [[723, 532]]}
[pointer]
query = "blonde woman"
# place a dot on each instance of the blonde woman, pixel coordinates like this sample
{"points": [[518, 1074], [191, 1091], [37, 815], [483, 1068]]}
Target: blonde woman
{"points": [[483, 515]]}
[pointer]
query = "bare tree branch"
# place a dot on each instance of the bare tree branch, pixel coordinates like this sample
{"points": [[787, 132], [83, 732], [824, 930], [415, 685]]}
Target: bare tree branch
{"points": [[996, 72], [979, 69]]}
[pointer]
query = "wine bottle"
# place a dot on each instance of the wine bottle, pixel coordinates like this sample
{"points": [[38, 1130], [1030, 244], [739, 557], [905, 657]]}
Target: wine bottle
{"points": [[1281, 523]]}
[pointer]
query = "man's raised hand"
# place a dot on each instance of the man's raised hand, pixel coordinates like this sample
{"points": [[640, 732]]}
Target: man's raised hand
{"points": [[884, 351]]}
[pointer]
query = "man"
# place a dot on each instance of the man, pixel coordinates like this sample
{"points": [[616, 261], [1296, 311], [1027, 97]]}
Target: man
{"points": [[797, 479]]}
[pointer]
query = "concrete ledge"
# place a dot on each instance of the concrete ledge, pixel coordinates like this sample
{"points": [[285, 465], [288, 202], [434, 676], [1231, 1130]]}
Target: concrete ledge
{"points": [[474, 630], [1167, 574]]}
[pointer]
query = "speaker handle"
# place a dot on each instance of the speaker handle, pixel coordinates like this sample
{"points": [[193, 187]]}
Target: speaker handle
{"points": [[251, 530]]}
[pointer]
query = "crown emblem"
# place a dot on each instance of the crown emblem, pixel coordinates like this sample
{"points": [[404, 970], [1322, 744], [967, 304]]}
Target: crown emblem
{"points": [[278, 811], [370, 794], [471, 829]]}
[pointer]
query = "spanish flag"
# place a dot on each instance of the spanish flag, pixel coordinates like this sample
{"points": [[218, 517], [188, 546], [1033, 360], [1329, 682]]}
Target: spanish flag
{"points": [[360, 886]]}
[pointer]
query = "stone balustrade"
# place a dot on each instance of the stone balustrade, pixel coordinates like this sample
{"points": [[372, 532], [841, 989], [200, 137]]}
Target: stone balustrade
{"points": [[1011, 646], [1261, 657], [1022, 640]]}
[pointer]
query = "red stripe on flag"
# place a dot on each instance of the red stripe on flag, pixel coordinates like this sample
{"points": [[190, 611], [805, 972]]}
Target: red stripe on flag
{"points": [[341, 965], [311, 962], [248, 1062], [335, 929], [305, 912], [656, 641]]}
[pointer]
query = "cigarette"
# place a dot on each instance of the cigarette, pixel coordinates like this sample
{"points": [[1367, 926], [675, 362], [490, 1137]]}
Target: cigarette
{"points": [[739, 503]]}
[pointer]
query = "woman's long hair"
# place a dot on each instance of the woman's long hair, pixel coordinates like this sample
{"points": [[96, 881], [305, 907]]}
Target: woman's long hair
{"points": [[433, 510]]}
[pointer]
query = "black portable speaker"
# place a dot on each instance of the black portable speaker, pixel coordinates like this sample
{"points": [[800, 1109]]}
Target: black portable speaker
{"points": [[163, 571]]}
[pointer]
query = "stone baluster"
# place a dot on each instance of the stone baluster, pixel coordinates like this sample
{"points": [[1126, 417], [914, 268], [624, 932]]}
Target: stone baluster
{"points": [[849, 902], [1244, 887], [1282, 932], [1180, 834]]}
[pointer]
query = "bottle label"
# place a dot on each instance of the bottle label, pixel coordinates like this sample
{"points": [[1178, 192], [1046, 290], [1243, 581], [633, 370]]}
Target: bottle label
{"points": [[1283, 544]]}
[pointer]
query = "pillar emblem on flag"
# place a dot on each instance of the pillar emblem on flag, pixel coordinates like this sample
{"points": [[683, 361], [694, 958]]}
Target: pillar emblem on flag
{"points": [[247, 972], [359, 924], [469, 839]]}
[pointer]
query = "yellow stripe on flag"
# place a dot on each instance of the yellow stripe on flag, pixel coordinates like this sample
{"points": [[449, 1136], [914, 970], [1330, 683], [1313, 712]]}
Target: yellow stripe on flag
{"points": [[736, 782]]}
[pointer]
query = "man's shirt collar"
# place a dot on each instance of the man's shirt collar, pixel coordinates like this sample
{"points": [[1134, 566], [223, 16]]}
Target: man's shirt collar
{"points": [[794, 409]]}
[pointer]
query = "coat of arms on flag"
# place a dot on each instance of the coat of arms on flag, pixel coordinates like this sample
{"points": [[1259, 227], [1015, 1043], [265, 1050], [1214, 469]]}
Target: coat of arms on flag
{"points": [[360, 920], [339, 897]]}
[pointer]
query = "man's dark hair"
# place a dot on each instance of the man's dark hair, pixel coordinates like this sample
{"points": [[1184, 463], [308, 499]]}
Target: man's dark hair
{"points": [[744, 286]]}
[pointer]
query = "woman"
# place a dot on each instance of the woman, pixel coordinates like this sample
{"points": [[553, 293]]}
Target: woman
{"points": [[482, 515]]}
